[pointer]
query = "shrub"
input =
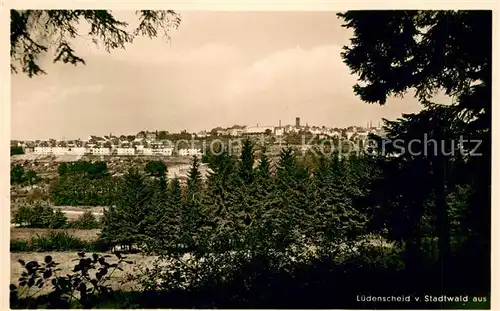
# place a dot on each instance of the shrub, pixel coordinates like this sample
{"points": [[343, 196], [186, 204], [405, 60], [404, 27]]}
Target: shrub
{"points": [[57, 241], [19, 246], [23, 216], [83, 288], [40, 216], [86, 221], [58, 220]]}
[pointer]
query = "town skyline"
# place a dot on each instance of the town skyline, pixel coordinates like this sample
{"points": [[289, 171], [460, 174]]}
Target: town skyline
{"points": [[208, 75], [367, 125]]}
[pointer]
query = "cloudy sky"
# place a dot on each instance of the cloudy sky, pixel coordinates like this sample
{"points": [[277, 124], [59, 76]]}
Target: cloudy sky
{"points": [[219, 69]]}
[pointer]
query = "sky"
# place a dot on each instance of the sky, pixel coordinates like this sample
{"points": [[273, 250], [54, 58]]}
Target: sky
{"points": [[218, 69]]}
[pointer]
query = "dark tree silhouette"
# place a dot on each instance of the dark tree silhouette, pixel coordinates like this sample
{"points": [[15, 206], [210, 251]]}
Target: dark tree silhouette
{"points": [[396, 51], [34, 32]]}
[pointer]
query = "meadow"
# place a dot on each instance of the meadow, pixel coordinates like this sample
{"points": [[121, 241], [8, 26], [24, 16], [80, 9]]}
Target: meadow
{"points": [[26, 234]]}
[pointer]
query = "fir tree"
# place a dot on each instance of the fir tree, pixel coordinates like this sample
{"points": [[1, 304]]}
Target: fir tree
{"points": [[126, 222], [194, 180], [246, 163]]}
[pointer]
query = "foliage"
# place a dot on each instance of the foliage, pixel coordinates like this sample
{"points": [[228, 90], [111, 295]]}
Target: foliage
{"points": [[15, 150], [156, 169], [17, 174], [58, 241], [83, 288], [83, 183], [19, 246], [31, 177], [86, 221], [35, 32], [40, 216], [125, 222], [395, 51]]}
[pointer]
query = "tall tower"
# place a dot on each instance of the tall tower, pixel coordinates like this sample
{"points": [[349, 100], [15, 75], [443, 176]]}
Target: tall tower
{"points": [[297, 122], [280, 124]]}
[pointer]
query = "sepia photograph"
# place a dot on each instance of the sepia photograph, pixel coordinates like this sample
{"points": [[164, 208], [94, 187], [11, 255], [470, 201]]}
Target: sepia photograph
{"points": [[256, 159]]}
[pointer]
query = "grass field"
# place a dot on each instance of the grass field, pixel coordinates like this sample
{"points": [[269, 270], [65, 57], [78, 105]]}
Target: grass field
{"points": [[66, 264], [26, 234]]}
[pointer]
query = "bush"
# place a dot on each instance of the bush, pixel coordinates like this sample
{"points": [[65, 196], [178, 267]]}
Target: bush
{"points": [[86, 221], [19, 246], [40, 216], [80, 289], [99, 246], [58, 241], [58, 220]]}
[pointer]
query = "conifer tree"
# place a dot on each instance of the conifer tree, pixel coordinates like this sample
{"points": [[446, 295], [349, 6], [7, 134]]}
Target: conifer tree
{"points": [[246, 163], [194, 183], [126, 222], [222, 200], [191, 217]]}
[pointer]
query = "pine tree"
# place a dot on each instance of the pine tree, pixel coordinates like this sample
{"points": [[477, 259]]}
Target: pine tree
{"points": [[222, 201], [194, 183], [264, 167], [246, 163], [126, 222], [191, 217]]}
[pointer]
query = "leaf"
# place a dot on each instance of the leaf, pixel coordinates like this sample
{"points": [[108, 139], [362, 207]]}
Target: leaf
{"points": [[82, 288], [22, 262], [48, 259], [31, 266], [12, 287], [81, 254], [47, 274]]}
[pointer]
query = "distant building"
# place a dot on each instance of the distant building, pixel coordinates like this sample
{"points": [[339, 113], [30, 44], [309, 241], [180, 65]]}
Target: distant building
{"points": [[258, 129], [43, 150], [147, 151], [297, 122], [202, 134], [334, 133], [60, 150], [189, 152], [158, 150], [235, 132], [77, 151], [125, 151], [151, 135], [100, 151], [223, 132]]}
